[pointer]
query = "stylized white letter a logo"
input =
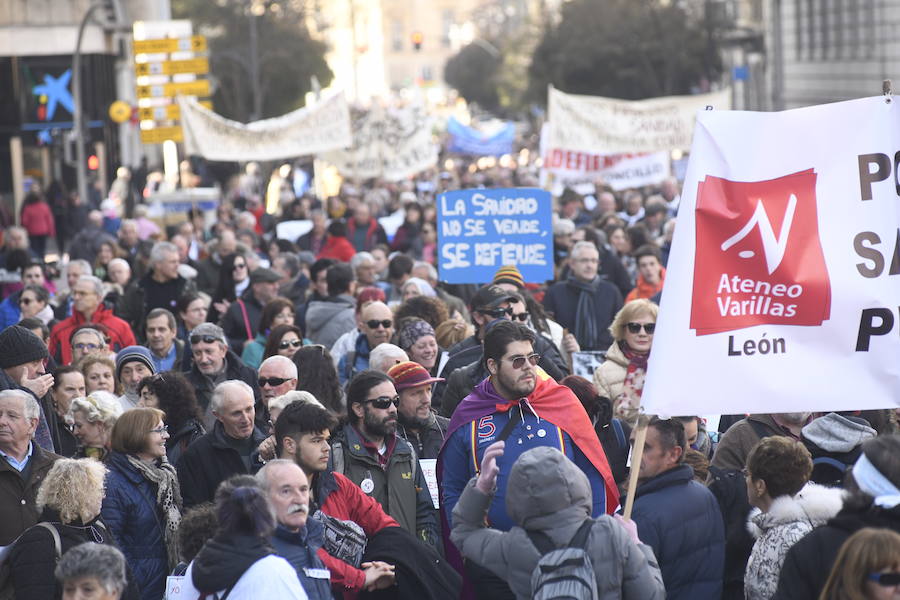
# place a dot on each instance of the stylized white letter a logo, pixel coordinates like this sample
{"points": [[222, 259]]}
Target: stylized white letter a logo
{"points": [[772, 247]]}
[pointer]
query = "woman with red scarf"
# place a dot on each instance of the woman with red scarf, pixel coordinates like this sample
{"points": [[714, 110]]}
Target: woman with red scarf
{"points": [[621, 377]]}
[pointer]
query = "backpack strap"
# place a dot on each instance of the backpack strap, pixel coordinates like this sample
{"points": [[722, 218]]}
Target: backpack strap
{"points": [[832, 462], [57, 545], [246, 319], [761, 430], [579, 540], [620, 433], [541, 541]]}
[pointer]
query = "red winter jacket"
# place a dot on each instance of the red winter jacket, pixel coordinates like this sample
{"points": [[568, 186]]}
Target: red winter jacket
{"points": [[37, 219], [120, 334], [338, 248], [340, 498]]}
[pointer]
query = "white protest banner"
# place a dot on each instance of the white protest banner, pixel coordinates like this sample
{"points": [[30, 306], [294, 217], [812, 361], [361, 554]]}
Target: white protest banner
{"points": [[782, 285], [481, 230], [429, 472], [598, 125], [580, 171], [307, 131], [392, 143]]}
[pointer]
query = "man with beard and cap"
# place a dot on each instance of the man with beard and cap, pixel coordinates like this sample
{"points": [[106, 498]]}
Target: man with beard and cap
{"points": [[520, 403], [297, 539], [368, 451], [132, 364], [418, 424]]}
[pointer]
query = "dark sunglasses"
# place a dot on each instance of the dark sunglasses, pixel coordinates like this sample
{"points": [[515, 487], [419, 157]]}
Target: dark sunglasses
{"points": [[636, 327], [26, 301], [519, 361], [521, 317], [885, 579], [238, 266], [373, 324], [497, 313], [206, 339], [292, 343], [272, 381], [384, 401]]}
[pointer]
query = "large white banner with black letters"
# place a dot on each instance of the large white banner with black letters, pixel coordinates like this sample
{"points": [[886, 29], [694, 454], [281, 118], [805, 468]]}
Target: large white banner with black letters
{"points": [[783, 285]]}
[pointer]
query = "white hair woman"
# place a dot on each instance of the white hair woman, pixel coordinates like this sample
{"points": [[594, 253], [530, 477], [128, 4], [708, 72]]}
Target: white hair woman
{"points": [[69, 499], [93, 571], [94, 417]]}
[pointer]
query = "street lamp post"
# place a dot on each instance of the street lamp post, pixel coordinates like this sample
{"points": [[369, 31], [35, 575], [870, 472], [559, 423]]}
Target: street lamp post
{"points": [[78, 116]]}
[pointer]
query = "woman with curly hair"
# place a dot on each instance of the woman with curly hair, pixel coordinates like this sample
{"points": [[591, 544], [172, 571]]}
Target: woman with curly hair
{"points": [[316, 374], [171, 393], [277, 311], [284, 340], [431, 310], [93, 418], [69, 499]]}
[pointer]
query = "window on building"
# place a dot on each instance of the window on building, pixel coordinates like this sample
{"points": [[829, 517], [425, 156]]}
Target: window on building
{"points": [[871, 32], [839, 24], [397, 36], [824, 20], [811, 28], [798, 28], [852, 28]]}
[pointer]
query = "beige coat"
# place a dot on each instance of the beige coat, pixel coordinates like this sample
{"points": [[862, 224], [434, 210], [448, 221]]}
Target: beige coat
{"points": [[609, 379]]}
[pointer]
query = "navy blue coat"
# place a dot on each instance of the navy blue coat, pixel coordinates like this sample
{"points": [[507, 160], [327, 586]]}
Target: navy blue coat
{"points": [[300, 550], [132, 515], [680, 519]]}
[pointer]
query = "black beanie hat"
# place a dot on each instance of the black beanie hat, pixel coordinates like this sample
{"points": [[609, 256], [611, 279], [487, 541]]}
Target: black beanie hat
{"points": [[19, 346]]}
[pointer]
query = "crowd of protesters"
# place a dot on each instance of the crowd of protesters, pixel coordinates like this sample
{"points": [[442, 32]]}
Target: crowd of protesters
{"points": [[320, 416]]}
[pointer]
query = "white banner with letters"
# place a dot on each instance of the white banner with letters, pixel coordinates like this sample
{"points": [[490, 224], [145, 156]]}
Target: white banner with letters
{"points": [[783, 285], [303, 132], [391, 143], [598, 125]]}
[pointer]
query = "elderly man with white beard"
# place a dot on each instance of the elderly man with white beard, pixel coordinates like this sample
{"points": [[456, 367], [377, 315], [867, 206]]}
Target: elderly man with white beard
{"points": [[297, 538]]}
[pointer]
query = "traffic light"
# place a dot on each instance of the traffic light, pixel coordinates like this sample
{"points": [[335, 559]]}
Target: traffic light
{"points": [[93, 163], [417, 40]]}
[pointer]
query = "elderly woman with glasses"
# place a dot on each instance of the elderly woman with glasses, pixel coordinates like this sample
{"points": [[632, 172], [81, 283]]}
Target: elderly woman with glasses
{"points": [[69, 500], [93, 418], [621, 376], [143, 500]]}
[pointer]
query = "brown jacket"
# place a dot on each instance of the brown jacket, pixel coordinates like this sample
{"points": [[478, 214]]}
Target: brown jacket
{"points": [[17, 496], [738, 441]]}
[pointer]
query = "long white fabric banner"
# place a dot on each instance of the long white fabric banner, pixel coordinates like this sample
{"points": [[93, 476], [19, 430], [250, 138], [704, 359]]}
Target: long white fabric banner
{"points": [[391, 143], [784, 277], [598, 125], [303, 132]]}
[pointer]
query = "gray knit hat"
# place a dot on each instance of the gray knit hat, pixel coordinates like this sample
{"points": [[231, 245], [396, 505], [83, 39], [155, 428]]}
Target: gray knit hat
{"points": [[134, 354]]}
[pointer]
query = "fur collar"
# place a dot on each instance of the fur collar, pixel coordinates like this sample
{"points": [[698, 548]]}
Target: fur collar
{"points": [[814, 504]]}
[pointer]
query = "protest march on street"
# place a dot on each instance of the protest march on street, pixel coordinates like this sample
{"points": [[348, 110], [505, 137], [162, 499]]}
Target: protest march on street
{"points": [[415, 345]]}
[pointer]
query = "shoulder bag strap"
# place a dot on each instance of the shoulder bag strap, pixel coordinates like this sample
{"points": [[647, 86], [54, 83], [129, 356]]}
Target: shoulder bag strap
{"points": [[337, 457], [57, 544], [246, 319], [620, 433], [515, 417]]}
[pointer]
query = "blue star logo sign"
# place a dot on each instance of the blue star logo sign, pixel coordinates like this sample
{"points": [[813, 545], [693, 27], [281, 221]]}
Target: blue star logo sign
{"points": [[56, 91]]}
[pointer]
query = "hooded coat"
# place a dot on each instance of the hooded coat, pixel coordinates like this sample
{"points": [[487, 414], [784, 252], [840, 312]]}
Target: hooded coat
{"points": [[548, 493], [835, 441], [787, 520], [327, 320]]}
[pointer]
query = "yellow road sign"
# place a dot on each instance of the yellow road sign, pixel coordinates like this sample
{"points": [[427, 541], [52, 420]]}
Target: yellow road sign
{"points": [[170, 90], [195, 43], [170, 112], [161, 134], [119, 111], [171, 67]]}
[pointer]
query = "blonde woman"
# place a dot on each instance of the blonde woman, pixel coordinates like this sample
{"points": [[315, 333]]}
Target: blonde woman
{"points": [[94, 417], [866, 568], [621, 376], [69, 499]]}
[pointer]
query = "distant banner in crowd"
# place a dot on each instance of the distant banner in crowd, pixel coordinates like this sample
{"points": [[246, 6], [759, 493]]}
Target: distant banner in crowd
{"points": [[480, 230], [391, 143], [303, 132], [783, 217], [580, 171], [468, 140], [598, 125]]}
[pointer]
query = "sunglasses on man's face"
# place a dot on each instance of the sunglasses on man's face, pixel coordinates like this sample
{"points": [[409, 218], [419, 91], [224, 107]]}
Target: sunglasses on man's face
{"points": [[383, 402], [519, 361], [206, 339], [272, 381], [497, 313], [636, 327], [521, 317], [373, 324], [885, 579], [290, 344], [239, 266]]}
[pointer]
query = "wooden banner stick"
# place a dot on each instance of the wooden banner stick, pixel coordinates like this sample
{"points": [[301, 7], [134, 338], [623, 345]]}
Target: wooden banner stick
{"points": [[637, 451]]}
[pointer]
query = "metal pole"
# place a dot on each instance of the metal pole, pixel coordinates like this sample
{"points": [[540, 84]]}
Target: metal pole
{"points": [[254, 69], [78, 117]]}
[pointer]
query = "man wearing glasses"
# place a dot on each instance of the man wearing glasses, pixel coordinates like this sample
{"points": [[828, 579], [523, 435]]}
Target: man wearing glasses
{"points": [[368, 451], [277, 377], [585, 303], [376, 325], [521, 405]]}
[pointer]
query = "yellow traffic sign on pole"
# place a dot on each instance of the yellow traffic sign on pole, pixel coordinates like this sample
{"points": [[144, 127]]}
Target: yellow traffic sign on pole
{"points": [[119, 111], [169, 112], [170, 90], [195, 43], [196, 66], [161, 134]]}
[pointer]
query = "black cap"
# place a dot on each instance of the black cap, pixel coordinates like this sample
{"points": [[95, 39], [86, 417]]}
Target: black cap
{"points": [[19, 346], [264, 275], [491, 296]]}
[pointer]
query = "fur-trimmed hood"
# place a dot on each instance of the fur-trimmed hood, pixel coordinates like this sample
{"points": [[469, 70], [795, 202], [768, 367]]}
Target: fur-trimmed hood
{"points": [[815, 504]]}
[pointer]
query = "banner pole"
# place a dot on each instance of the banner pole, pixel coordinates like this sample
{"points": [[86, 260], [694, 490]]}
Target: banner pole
{"points": [[637, 451], [569, 360]]}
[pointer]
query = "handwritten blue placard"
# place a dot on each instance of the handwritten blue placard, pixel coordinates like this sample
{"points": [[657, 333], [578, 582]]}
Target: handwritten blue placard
{"points": [[481, 230]]}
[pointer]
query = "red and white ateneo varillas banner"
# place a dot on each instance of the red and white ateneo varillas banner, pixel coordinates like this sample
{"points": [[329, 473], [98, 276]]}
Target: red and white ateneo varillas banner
{"points": [[783, 286]]}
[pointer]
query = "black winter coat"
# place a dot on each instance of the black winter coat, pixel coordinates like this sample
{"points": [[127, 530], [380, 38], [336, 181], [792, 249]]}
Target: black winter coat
{"points": [[33, 558], [809, 561], [209, 461], [234, 369]]}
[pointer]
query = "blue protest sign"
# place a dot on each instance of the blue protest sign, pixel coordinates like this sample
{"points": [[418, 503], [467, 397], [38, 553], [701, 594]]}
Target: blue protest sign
{"points": [[467, 140], [481, 230]]}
